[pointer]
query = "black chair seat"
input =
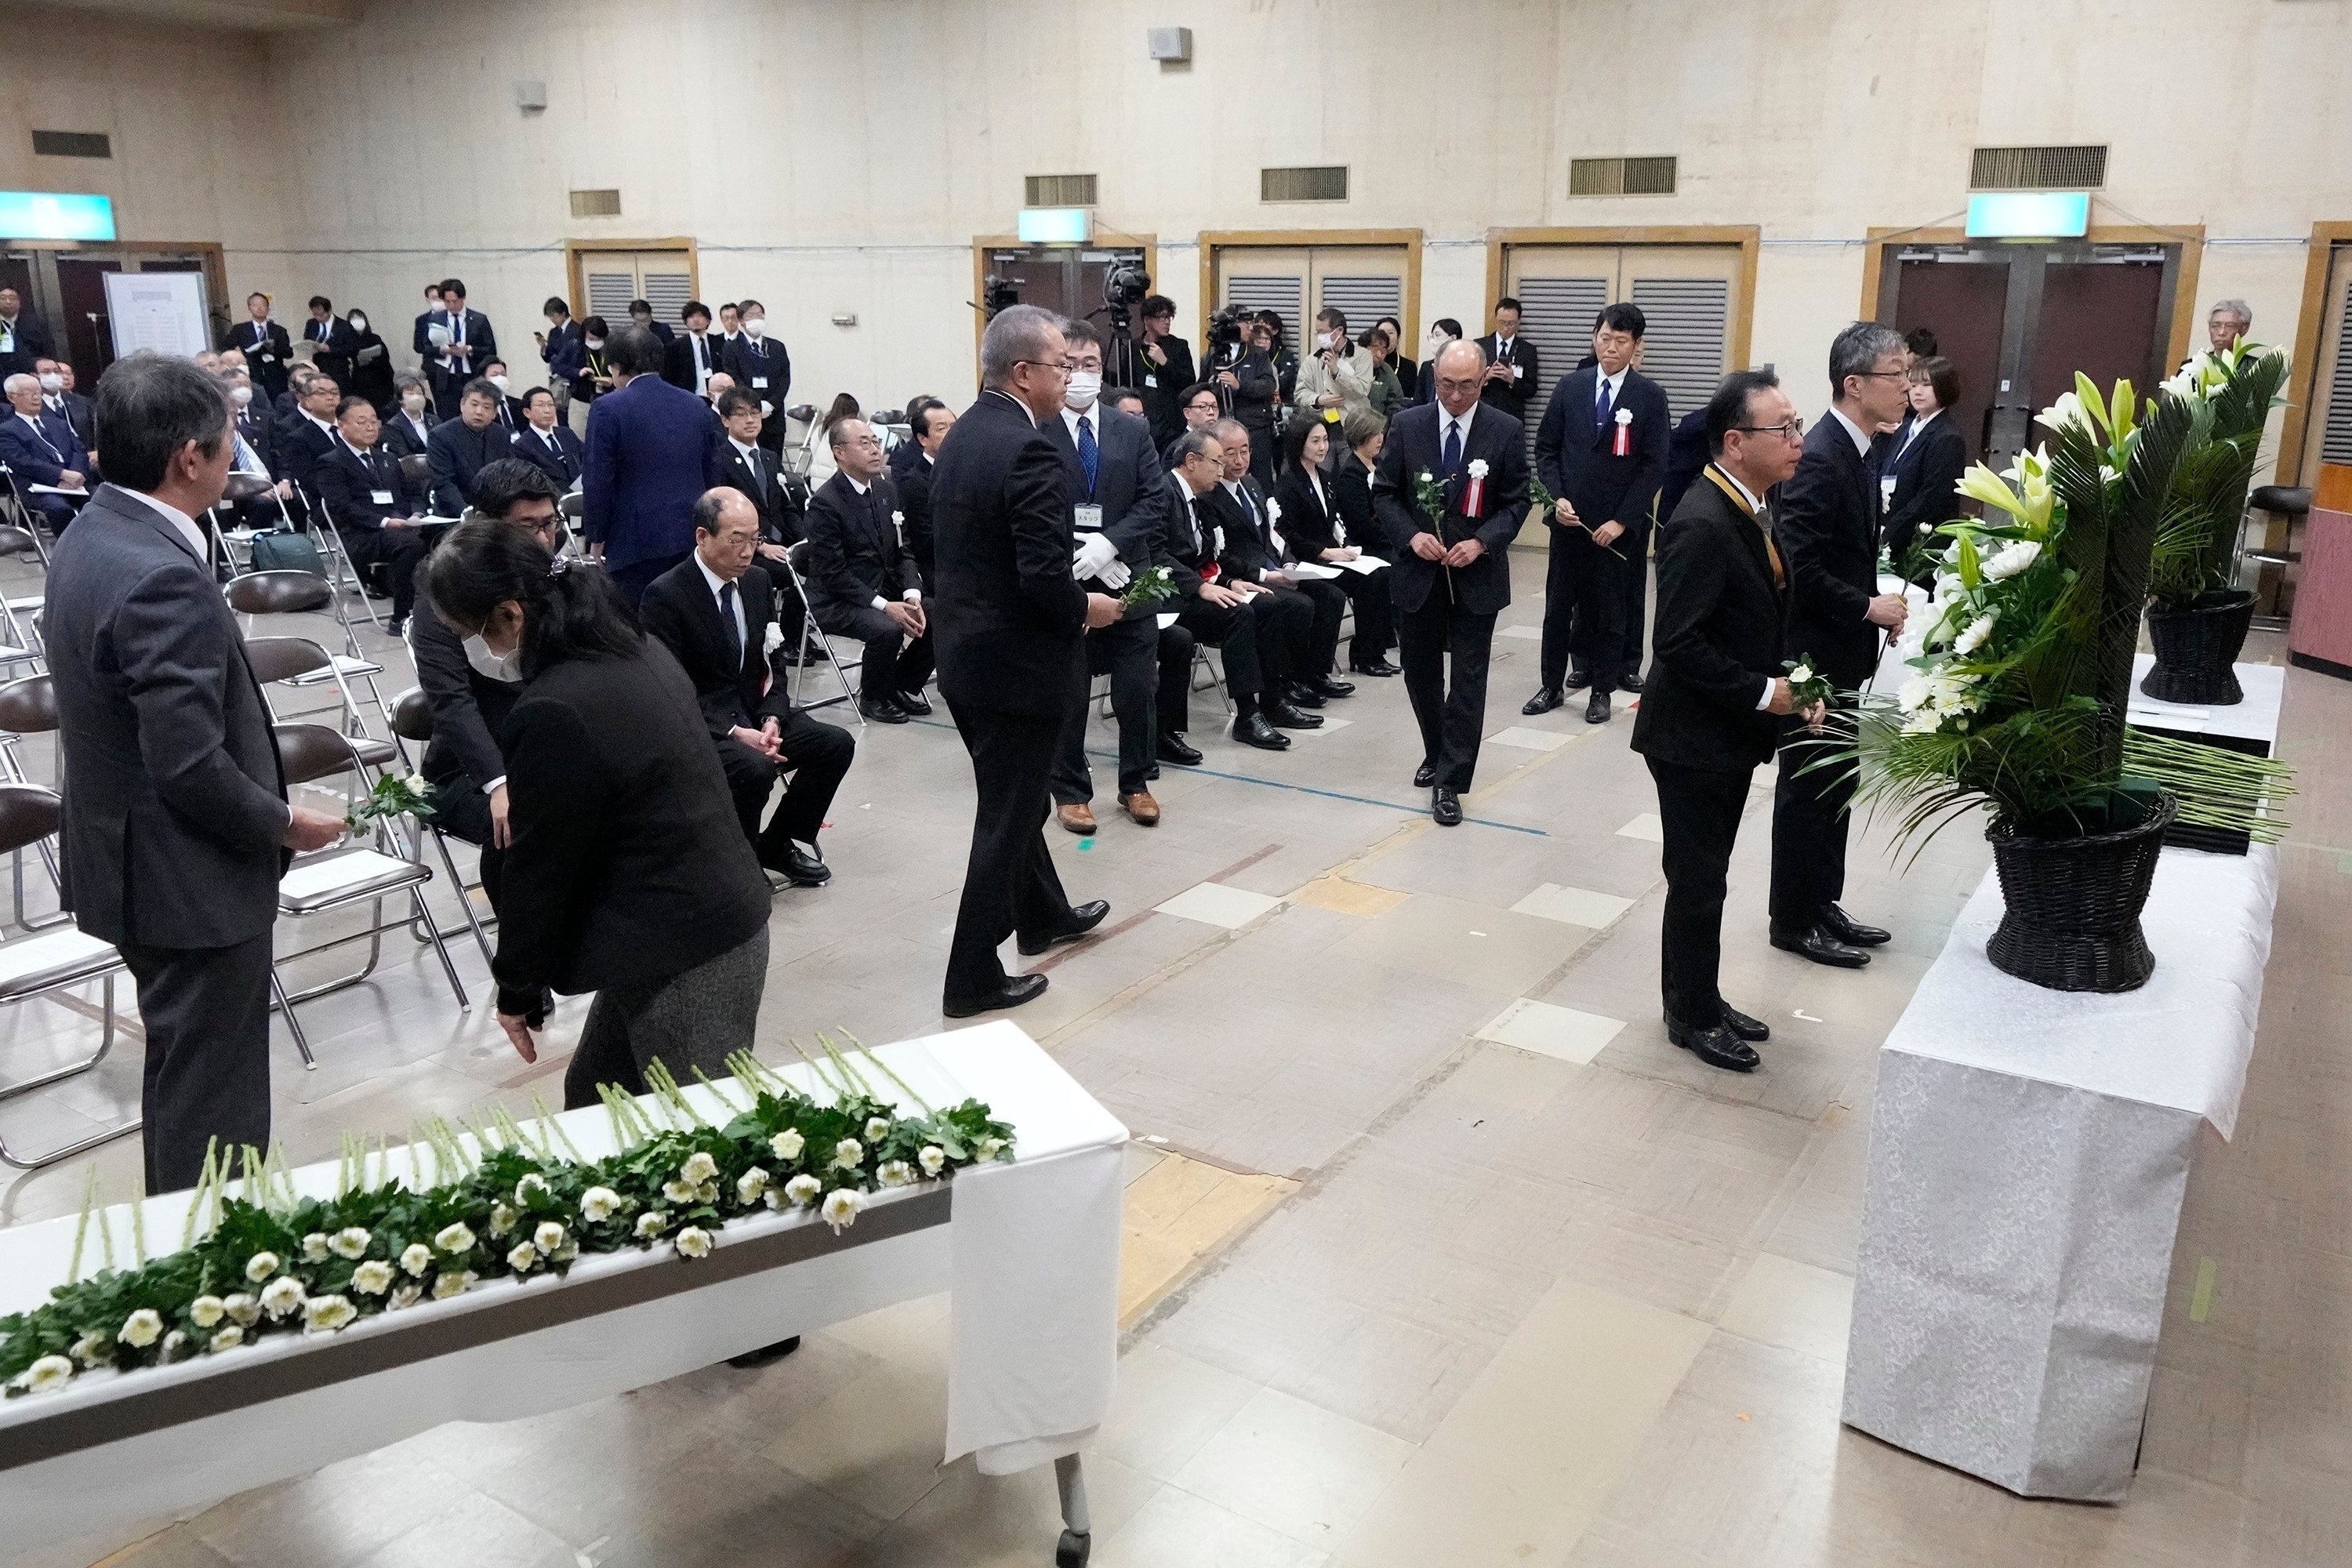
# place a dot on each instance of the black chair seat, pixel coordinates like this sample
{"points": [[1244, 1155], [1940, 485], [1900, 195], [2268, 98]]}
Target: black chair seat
{"points": [[2287, 500]]}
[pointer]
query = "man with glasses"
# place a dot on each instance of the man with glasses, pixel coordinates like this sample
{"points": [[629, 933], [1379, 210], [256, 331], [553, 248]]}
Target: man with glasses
{"points": [[1828, 529], [1200, 408], [863, 581]]}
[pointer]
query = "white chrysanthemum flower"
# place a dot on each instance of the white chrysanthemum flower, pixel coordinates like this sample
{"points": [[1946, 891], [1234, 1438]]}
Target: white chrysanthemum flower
{"points": [[314, 1248], [841, 1207], [141, 1328], [415, 1258], [2011, 559], [895, 1173], [775, 1200], [1926, 722], [449, 1284], [206, 1311], [46, 1375], [373, 1278], [787, 1144], [878, 1128], [653, 1222], [1801, 674], [282, 1295], [90, 1350], [261, 1265], [598, 1204], [934, 1159], [694, 1242], [228, 1339], [549, 1237], [848, 1154], [522, 1257], [803, 1190], [454, 1238], [698, 1168], [407, 1296], [350, 1243], [325, 1314], [990, 1148], [530, 1189], [1974, 637], [1914, 695], [242, 1308], [679, 1192], [707, 1194], [502, 1218], [173, 1343], [750, 1184]]}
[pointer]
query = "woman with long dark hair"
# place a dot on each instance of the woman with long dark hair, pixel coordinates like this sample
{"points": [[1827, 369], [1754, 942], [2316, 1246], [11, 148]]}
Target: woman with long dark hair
{"points": [[627, 872], [1924, 461]]}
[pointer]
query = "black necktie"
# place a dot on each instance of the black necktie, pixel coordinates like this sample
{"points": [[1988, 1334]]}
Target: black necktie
{"points": [[727, 619]]}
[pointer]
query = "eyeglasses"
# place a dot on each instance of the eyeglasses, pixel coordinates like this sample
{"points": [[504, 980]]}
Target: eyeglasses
{"points": [[1065, 366], [1885, 374], [1794, 429]]}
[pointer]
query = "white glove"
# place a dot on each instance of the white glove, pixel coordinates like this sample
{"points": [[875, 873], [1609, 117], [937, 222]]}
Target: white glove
{"points": [[1093, 555], [1116, 576]]}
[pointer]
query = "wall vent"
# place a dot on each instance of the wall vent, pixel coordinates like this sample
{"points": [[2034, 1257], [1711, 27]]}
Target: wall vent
{"points": [[595, 203], [1327, 183], [73, 144], [1059, 191], [1621, 177], [2037, 169]]}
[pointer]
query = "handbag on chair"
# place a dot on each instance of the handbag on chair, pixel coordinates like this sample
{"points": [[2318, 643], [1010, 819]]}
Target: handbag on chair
{"points": [[282, 550]]}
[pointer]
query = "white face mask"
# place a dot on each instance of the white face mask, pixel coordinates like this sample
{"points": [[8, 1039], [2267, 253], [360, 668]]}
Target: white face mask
{"points": [[756, 325], [53, 382], [359, 322], [1336, 341], [240, 396], [595, 342], [500, 381], [493, 666], [414, 402], [1086, 386]]}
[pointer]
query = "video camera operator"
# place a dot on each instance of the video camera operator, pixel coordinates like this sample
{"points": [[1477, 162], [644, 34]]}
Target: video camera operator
{"points": [[1240, 367], [1166, 366]]}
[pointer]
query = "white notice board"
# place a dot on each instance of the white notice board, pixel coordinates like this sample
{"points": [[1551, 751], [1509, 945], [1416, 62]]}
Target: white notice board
{"points": [[160, 310]]}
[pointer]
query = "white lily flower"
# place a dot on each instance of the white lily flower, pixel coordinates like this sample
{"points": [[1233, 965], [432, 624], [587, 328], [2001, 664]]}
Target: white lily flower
{"points": [[694, 1242], [848, 1154], [260, 1267], [206, 1311], [415, 1258], [350, 1243], [803, 1190], [598, 1204], [841, 1207], [787, 1144], [373, 1278], [141, 1328], [282, 1295], [934, 1159]]}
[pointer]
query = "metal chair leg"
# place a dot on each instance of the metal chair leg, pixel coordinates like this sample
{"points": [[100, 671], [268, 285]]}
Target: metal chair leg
{"points": [[302, 1041], [465, 1003]]}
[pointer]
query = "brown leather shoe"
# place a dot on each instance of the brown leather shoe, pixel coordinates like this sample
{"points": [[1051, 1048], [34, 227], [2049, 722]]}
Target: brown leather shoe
{"points": [[1143, 808], [1078, 819]]}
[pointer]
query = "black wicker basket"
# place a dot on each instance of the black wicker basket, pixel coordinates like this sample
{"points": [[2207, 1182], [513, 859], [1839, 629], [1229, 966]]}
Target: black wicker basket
{"points": [[2072, 917], [2195, 648]]}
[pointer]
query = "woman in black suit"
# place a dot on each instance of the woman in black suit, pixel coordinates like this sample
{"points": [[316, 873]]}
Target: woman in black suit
{"points": [[408, 423], [1317, 529], [370, 364], [626, 870], [1930, 455]]}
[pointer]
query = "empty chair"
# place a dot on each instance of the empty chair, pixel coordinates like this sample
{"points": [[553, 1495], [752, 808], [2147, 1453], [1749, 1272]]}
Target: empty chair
{"points": [[51, 961], [291, 592], [299, 661], [412, 719]]}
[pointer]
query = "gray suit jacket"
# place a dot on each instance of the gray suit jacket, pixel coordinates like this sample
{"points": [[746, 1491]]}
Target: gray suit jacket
{"points": [[174, 800]]}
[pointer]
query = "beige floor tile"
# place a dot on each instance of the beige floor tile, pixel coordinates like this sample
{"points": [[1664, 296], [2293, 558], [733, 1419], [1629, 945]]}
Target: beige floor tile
{"points": [[878, 1443], [1793, 1305], [972, 1521], [1549, 1030], [1295, 1467], [1646, 827], [1469, 944], [911, 1335], [1212, 903], [1337, 893], [1574, 906], [1167, 1407], [1177, 1530], [1525, 738]]}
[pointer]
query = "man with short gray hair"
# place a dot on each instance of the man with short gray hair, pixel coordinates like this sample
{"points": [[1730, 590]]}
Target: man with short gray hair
{"points": [[2227, 322], [1826, 523], [41, 448]]}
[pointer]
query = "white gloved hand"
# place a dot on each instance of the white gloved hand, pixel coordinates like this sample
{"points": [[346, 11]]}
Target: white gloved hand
{"points": [[1116, 576], [1094, 553]]}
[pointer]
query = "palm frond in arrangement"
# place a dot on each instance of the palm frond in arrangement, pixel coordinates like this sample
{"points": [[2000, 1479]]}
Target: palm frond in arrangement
{"points": [[2230, 395]]}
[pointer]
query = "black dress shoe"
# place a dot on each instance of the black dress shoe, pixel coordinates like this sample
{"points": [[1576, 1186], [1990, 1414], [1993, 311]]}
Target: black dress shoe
{"points": [[1289, 718], [1744, 1026], [1083, 919], [1017, 989], [1546, 699], [1577, 679], [765, 1354], [1596, 712], [1380, 667], [1251, 729], [802, 867], [1173, 749], [1717, 1046], [882, 710], [1818, 945], [1302, 695], [1630, 681], [915, 702], [1424, 775], [1324, 686], [1851, 931], [1445, 805]]}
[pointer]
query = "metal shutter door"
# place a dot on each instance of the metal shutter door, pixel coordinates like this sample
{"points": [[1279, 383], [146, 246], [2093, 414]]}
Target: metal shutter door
{"points": [[2335, 444], [1283, 293], [1556, 315], [1683, 349], [612, 284], [667, 287], [1362, 299]]}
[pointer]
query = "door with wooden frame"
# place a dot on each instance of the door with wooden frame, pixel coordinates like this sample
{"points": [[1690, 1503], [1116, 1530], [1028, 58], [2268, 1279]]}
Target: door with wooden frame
{"points": [[1686, 292], [606, 281], [1362, 282]]}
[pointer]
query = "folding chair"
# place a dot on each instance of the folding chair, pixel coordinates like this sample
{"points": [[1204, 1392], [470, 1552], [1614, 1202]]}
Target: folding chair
{"points": [[412, 719], [242, 488], [21, 644], [28, 706], [343, 573], [570, 507], [304, 593], [335, 878], [21, 518], [35, 965], [299, 661], [814, 637]]}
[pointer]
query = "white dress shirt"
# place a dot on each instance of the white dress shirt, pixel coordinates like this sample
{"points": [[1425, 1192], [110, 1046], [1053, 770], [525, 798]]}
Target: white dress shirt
{"points": [[912, 596], [1614, 383], [1917, 423], [1455, 422]]}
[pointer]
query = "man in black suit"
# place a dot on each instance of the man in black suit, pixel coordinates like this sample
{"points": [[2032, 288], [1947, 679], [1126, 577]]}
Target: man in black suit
{"points": [[759, 474], [1290, 625], [715, 611], [761, 368], [455, 344], [1511, 370], [546, 441], [1012, 627], [41, 449], [930, 420], [58, 397], [1118, 492], [176, 822], [862, 578], [1167, 369], [1602, 452], [372, 505], [267, 349], [1826, 520], [1449, 577], [461, 447], [641, 316], [1213, 611], [23, 340], [331, 341], [1716, 696], [692, 356], [306, 436]]}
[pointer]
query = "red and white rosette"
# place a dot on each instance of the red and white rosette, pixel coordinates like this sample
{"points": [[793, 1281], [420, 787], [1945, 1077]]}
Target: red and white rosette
{"points": [[1474, 500]]}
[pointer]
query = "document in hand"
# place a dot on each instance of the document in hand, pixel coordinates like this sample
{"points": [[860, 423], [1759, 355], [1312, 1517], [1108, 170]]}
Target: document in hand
{"points": [[1311, 571], [1366, 564]]}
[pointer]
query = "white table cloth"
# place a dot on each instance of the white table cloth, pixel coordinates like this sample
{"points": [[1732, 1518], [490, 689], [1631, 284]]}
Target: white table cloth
{"points": [[1028, 1248], [2029, 1153]]}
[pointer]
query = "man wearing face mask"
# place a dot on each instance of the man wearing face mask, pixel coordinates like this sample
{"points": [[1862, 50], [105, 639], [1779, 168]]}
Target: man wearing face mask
{"points": [[330, 340], [472, 690], [762, 368], [57, 395], [1338, 375], [268, 352], [508, 408], [39, 448]]}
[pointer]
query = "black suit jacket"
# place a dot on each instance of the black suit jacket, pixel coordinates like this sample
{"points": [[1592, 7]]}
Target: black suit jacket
{"points": [[1413, 448], [302, 445], [1192, 540], [404, 439], [563, 467], [1306, 516], [680, 609], [1009, 622], [854, 548], [1129, 486], [1246, 552], [1163, 385], [751, 363], [32, 342], [770, 497], [469, 708], [458, 453], [1351, 492], [350, 481], [1924, 472], [1826, 519], [1511, 396], [1577, 458], [269, 353], [914, 500], [1716, 638], [80, 417], [678, 359], [336, 343]]}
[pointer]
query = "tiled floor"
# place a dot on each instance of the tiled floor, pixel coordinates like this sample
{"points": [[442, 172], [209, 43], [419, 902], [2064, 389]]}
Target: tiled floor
{"points": [[1438, 1254]]}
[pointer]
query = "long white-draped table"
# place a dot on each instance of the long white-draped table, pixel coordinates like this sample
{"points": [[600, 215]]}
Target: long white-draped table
{"points": [[2029, 1155], [1028, 1249]]}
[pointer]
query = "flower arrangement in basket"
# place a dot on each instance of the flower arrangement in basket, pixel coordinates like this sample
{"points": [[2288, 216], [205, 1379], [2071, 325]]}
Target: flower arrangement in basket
{"points": [[2196, 614], [2022, 670]]}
